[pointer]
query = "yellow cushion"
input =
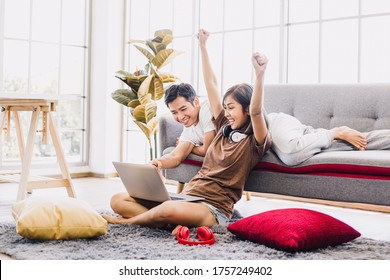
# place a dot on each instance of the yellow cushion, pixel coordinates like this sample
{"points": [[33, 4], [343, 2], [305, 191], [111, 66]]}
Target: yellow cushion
{"points": [[57, 218]]}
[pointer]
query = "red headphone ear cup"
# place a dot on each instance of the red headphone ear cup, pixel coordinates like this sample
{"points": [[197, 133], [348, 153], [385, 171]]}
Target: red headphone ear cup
{"points": [[183, 233], [204, 233]]}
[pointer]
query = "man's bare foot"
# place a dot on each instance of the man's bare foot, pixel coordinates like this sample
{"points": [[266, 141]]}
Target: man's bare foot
{"points": [[115, 220], [352, 136]]}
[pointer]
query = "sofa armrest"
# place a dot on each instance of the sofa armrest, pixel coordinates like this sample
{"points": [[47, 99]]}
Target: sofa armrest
{"points": [[168, 131]]}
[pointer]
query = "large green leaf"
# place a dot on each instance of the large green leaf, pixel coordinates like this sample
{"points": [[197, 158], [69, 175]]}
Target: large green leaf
{"points": [[156, 47], [158, 43], [160, 35], [134, 103], [157, 88], [164, 57], [139, 113], [144, 88], [145, 112], [153, 71], [168, 78], [133, 81], [148, 129], [145, 52], [152, 85], [163, 36], [137, 42], [161, 39], [153, 125], [123, 96], [145, 99], [144, 129], [150, 110], [122, 75], [167, 39]]}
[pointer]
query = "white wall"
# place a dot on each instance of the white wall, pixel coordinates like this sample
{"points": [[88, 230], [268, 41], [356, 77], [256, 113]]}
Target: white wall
{"points": [[107, 57]]}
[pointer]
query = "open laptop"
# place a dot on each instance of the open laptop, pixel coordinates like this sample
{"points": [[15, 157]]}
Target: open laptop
{"points": [[143, 181]]}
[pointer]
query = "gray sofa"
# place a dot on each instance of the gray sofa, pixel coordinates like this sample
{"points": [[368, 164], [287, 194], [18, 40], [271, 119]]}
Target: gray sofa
{"points": [[353, 177]]}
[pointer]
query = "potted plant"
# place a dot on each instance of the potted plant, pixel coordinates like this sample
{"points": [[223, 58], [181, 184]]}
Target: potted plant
{"points": [[146, 86]]}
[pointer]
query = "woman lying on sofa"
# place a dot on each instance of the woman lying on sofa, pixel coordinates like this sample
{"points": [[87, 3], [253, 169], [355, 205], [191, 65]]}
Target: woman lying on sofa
{"points": [[294, 142], [227, 164]]}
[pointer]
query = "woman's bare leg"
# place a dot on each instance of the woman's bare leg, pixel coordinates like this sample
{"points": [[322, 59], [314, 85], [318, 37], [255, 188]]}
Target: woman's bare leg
{"points": [[127, 207], [171, 212]]}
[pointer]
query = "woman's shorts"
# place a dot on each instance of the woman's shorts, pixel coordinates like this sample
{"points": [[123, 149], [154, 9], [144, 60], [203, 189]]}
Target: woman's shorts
{"points": [[219, 216]]}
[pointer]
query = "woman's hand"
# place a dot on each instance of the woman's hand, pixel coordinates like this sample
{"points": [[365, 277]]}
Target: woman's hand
{"points": [[260, 130], [259, 62], [203, 35]]}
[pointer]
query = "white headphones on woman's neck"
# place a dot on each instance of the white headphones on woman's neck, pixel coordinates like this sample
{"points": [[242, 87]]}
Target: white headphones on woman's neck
{"points": [[234, 135]]}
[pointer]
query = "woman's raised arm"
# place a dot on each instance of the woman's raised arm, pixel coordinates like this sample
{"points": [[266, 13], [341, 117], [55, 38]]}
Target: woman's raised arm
{"points": [[260, 130], [209, 76]]}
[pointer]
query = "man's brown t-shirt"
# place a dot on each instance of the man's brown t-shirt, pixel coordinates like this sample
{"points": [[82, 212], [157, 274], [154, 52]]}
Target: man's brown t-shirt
{"points": [[226, 168]]}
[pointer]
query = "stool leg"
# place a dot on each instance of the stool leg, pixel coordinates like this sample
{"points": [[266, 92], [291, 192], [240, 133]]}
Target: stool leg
{"points": [[61, 156], [19, 134], [2, 122], [180, 187], [26, 163]]}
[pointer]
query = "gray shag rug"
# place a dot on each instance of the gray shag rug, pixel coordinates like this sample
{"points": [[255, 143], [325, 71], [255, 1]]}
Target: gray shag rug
{"points": [[137, 242]]}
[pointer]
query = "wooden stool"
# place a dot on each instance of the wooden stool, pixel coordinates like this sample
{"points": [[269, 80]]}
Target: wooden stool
{"points": [[35, 105]]}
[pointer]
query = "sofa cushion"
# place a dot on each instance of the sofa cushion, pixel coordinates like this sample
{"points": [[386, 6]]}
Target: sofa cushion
{"points": [[365, 158], [350, 164], [293, 229]]}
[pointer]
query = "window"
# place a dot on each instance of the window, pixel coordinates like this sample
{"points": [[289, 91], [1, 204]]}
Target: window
{"points": [[339, 51], [338, 41], [375, 45], [44, 51], [306, 41]]}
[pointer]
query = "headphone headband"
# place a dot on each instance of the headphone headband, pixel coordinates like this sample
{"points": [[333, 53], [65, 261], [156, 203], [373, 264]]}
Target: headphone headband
{"points": [[205, 234]]}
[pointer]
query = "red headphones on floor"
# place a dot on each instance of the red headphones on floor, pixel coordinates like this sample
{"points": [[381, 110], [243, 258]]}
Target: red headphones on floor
{"points": [[205, 234]]}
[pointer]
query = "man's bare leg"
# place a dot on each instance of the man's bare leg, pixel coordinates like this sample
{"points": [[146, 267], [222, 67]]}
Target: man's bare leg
{"points": [[352, 136]]}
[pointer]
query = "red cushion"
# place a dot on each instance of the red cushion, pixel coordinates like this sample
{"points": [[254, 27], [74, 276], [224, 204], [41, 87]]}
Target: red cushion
{"points": [[293, 229], [329, 169], [326, 169]]}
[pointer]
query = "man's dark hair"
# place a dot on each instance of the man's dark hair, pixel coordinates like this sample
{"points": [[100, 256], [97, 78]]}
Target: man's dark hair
{"points": [[184, 90]]}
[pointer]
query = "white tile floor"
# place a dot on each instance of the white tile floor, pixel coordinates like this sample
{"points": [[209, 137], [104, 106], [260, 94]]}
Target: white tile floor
{"points": [[98, 191]]}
